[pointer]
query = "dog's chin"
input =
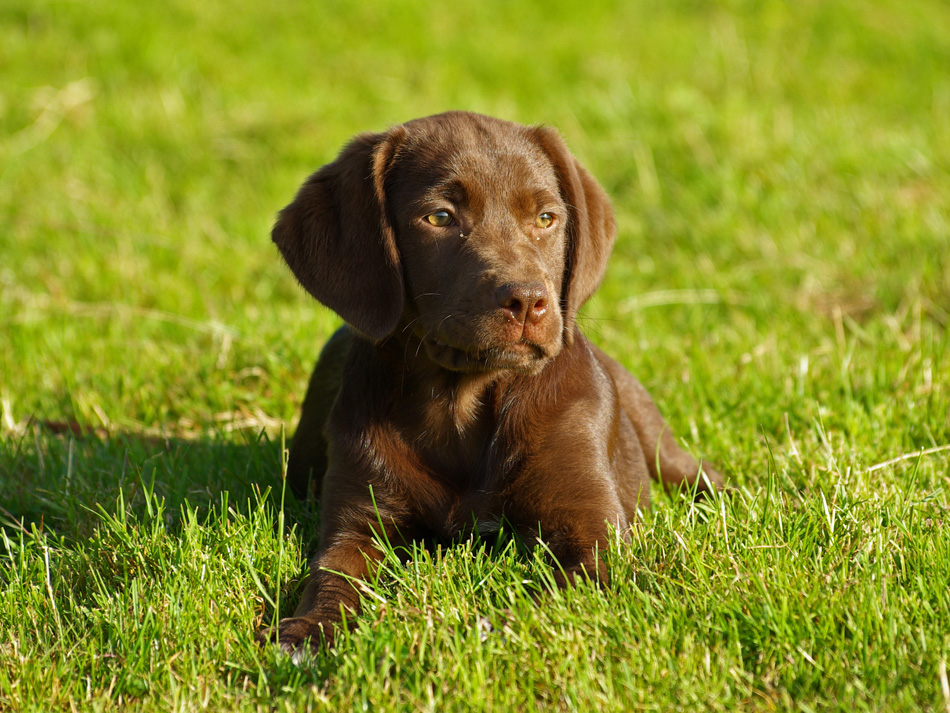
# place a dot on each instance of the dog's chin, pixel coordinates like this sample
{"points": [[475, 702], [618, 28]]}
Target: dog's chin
{"points": [[522, 357]]}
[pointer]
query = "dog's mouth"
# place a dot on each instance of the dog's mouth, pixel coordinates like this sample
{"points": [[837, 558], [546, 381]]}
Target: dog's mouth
{"points": [[522, 356]]}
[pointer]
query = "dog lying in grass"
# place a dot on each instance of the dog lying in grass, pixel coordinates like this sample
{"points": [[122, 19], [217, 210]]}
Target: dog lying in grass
{"points": [[461, 394]]}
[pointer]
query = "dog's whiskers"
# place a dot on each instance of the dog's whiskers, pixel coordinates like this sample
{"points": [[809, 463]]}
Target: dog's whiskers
{"points": [[442, 321]]}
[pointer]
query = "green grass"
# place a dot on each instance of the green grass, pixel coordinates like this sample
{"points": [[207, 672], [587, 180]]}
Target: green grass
{"points": [[781, 283]]}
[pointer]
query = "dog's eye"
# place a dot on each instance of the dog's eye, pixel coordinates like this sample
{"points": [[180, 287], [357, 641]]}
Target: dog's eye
{"points": [[545, 220], [440, 218]]}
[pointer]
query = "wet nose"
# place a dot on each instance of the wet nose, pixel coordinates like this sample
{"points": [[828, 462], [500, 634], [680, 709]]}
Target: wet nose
{"points": [[524, 303]]}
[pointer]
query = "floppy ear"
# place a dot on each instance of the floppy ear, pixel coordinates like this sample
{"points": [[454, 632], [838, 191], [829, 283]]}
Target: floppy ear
{"points": [[590, 227], [338, 241]]}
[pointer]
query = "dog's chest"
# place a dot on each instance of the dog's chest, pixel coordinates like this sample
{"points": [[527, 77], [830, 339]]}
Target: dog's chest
{"points": [[457, 437], [464, 483]]}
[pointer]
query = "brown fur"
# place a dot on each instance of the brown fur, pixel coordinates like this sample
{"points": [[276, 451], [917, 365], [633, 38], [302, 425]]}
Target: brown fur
{"points": [[461, 393]]}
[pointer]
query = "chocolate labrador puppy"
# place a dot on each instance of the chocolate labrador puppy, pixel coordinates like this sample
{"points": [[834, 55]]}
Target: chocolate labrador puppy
{"points": [[461, 395]]}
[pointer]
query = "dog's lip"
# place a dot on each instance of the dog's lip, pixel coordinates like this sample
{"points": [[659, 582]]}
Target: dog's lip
{"points": [[480, 352], [513, 355]]}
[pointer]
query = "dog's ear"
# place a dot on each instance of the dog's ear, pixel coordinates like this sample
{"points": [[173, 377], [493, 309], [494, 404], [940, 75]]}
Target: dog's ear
{"points": [[337, 238], [590, 228]]}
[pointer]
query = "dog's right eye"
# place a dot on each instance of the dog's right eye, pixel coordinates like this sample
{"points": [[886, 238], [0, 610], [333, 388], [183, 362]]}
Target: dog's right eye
{"points": [[440, 218]]}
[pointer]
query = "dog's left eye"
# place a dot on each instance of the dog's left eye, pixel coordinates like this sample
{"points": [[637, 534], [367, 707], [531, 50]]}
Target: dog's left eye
{"points": [[545, 220], [440, 218]]}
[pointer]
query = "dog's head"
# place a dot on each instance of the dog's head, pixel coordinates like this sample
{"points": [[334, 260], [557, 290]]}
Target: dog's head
{"points": [[479, 236]]}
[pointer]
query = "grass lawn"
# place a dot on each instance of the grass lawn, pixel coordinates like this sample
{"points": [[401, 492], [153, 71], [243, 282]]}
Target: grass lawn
{"points": [[781, 283]]}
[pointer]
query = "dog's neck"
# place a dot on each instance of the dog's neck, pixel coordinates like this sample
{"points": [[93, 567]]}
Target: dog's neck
{"points": [[447, 413], [445, 401]]}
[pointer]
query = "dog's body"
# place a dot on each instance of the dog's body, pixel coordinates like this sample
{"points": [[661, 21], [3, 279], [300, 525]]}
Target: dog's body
{"points": [[461, 396]]}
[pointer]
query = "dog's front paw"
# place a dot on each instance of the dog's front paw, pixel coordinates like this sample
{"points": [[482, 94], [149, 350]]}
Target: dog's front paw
{"points": [[297, 636]]}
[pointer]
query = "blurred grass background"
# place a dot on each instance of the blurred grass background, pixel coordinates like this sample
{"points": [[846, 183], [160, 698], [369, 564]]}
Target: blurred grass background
{"points": [[789, 159], [781, 280]]}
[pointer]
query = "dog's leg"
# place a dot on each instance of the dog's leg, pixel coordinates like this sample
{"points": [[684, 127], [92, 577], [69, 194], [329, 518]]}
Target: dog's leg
{"points": [[308, 449], [666, 461], [568, 498], [332, 589], [355, 519], [577, 556]]}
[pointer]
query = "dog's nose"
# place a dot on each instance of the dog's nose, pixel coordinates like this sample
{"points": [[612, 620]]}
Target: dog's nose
{"points": [[523, 303]]}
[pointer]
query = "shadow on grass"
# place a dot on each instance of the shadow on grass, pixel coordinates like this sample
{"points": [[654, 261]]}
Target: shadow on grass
{"points": [[60, 476], [203, 524]]}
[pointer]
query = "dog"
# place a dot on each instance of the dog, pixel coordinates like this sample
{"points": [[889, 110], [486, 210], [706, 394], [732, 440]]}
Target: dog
{"points": [[460, 396]]}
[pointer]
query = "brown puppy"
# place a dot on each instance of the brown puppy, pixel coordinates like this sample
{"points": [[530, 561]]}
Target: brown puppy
{"points": [[458, 248]]}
